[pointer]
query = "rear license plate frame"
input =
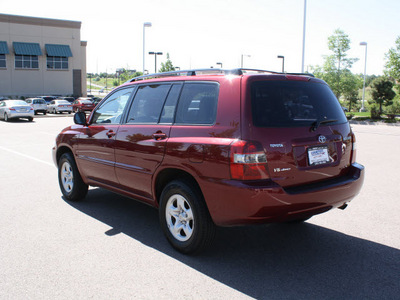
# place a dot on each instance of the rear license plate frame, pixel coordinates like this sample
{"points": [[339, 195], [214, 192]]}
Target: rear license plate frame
{"points": [[318, 155]]}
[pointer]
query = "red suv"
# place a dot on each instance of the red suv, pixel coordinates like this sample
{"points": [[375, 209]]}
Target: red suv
{"points": [[215, 147]]}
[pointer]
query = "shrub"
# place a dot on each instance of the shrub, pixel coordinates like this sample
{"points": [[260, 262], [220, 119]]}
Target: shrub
{"points": [[375, 112]]}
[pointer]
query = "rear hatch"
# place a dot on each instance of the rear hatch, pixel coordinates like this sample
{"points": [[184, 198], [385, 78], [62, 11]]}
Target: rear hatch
{"points": [[301, 127]]}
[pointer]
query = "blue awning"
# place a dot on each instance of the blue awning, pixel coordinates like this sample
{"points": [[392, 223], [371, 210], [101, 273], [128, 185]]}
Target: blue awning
{"points": [[58, 50], [27, 48], [3, 48]]}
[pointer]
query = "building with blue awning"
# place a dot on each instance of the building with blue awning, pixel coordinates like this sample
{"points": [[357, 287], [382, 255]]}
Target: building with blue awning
{"points": [[41, 56]]}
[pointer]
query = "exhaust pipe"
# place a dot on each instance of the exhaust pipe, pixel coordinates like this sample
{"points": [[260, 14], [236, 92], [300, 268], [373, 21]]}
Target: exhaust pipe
{"points": [[343, 206]]}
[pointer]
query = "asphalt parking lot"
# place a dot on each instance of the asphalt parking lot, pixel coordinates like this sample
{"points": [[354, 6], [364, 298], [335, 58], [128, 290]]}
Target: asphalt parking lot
{"points": [[110, 247]]}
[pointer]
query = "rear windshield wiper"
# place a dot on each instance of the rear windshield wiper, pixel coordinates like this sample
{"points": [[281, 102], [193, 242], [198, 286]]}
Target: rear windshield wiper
{"points": [[317, 123]]}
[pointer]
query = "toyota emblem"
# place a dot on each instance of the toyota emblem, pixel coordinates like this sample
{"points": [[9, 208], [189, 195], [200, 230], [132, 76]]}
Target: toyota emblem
{"points": [[322, 139]]}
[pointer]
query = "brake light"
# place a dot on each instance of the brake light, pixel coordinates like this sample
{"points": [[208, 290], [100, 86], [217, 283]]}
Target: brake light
{"points": [[353, 148], [11, 108], [248, 161]]}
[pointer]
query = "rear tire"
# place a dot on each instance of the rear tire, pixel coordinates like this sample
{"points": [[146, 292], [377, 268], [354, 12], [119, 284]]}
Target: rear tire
{"points": [[30, 119], [6, 117], [71, 184], [184, 217]]}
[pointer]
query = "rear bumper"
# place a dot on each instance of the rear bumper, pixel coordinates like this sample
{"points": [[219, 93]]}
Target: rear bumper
{"points": [[64, 109], [238, 202], [29, 114]]}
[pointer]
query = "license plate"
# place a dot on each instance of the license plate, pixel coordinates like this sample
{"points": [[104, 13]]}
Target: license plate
{"points": [[318, 156]]}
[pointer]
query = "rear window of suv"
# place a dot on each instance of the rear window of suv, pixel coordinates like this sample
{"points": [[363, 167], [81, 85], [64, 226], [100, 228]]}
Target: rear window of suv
{"points": [[293, 104]]}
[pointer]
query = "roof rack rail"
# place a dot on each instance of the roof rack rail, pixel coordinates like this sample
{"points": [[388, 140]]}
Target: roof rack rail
{"points": [[242, 71], [195, 72]]}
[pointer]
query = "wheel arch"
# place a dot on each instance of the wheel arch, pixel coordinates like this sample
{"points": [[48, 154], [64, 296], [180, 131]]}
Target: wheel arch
{"points": [[167, 175], [61, 150]]}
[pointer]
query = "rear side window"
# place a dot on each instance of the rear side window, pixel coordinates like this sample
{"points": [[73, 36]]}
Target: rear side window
{"points": [[198, 104], [293, 104]]}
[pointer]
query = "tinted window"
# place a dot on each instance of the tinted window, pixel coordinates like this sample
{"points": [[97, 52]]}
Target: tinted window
{"points": [[198, 104], [293, 104], [167, 115], [148, 103], [112, 109]]}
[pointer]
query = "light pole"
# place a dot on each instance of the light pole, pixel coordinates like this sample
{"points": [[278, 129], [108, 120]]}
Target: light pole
{"points": [[365, 74], [219, 63], [155, 59], [304, 36], [283, 62], [145, 24], [241, 62]]}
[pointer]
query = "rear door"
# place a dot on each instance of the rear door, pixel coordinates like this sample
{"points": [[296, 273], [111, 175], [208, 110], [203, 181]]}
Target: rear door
{"points": [[302, 128], [141, 140]]}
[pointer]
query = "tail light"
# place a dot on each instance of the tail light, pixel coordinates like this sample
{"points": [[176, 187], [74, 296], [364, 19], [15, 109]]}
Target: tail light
{"points": [[248, 161], [353, 148]]}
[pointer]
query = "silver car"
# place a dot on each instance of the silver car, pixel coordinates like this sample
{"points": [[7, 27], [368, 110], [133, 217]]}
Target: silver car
{"points": [[38, 104], [59, 106], [15, 109]]}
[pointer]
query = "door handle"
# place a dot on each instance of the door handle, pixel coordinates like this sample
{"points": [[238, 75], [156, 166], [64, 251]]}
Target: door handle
{"points": [[110, 133], [159, 136]]}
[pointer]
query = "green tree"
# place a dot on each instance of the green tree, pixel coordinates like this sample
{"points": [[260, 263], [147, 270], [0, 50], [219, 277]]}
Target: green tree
{"points": [[167, 66], [392, 66], [336, 69], [382, 92], [339, 44]]}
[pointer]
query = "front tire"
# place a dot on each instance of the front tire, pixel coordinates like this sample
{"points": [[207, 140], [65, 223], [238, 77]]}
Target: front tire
{"points": [[71, 184], [6, 119], [184, 217]]}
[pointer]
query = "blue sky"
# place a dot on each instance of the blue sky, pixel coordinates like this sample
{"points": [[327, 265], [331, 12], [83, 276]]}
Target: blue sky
{"points": [[197, 34]]}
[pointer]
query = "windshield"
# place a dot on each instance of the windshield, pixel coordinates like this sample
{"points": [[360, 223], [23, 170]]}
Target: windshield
{"points": [[294, 104]]}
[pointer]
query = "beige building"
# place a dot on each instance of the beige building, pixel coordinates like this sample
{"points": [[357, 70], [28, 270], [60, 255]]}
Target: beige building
{"points": [[41, 57]]}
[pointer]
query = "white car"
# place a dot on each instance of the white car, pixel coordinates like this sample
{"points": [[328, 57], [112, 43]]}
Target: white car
{"points": [[38, 104], [59, 106], [15, 109]]}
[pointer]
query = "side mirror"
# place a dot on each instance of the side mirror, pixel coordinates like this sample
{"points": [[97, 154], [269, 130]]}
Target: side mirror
{"points": [[80, 118]]}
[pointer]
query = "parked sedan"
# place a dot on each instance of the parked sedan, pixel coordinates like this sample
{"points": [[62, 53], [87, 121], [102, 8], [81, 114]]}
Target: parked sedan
{"points": [[82, 104], [39, 105], [15, 109], [59, 106]]}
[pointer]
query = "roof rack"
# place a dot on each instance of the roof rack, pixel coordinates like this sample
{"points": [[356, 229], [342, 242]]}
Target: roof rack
{"points": [[195, 72]]}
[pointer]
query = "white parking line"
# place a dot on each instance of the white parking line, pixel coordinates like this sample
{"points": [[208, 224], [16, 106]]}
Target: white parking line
{"points": [[27, 156]]}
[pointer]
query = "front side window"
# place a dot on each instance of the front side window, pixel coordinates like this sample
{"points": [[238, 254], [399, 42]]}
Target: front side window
{"points": [[26, 61], [198, 104], [2, 60], [148, 103], [112, 109], [57, 63]]}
